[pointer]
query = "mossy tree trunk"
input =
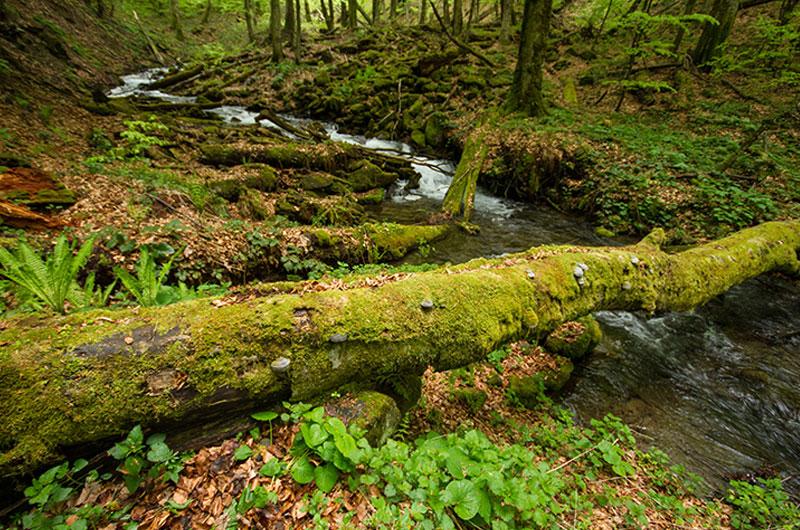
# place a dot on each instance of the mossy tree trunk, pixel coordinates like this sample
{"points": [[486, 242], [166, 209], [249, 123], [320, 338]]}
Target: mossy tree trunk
{"points": [[175, 19], [505, 21], [526, 90], [458, 17], [82, 378], [289, 23], [248, 17], [460, 197], [275, 30], [715, 34]]}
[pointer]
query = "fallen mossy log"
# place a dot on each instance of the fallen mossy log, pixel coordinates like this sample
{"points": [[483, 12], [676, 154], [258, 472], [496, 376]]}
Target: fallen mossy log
{"points": [[363, 169], [177, 77], [82, 378]]}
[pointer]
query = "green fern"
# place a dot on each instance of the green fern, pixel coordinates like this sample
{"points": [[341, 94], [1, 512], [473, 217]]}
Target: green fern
{"points": [[148, 287], [96, 296], [52, 281]]}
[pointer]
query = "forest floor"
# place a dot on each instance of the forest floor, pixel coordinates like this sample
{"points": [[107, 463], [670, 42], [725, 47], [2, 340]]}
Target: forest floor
{"points": [[142, 176]]}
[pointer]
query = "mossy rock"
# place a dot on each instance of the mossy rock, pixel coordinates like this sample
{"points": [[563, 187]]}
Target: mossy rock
{"points": [[418, 137], [530, 389], [372, 411], [230, 189], [602, 231], [364, 175], [266, 180], [575, 339], [435, 129], [375, 196], [316, 181], [471, 397], [252, 204]]}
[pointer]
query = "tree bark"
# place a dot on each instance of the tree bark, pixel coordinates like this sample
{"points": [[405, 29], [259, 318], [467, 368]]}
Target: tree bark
{"points": [[376, 12], [460, 198], [505, 21], [83, 378], [352, 13], [175, 19], [458, 17], [248, 17], [206, 13], [526, 90], [289, 23], [297, 35], [715, 34], [275, 30], [676, 44], [423, 12]]}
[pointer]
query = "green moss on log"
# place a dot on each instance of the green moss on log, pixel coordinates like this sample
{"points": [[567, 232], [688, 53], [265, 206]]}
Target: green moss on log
{"points": [[89, 376]]}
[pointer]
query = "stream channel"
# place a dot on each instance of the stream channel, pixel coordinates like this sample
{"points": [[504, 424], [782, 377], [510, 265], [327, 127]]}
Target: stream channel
{"points": [[716, 389]]}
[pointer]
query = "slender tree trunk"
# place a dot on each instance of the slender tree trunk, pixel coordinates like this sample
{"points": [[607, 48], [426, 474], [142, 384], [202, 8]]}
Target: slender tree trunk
{"points": [[327, 15], [376, 12], [352, 13], [676, 44], [392, 9], [446, 12], [297, 32], [275, 30], [714, 35], [288, 23], [175, 19], [248, 18], [458, 18], [206, 13], [505, 21], [423, 12], [526, 90], [307, 11]]}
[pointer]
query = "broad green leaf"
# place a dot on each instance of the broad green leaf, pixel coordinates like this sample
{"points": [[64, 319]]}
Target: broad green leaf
{"points": [[243, 452], [464, 497], [273, 468], [303, 470], [264, 416], [313, 434], [159, 452], [326, 477]]}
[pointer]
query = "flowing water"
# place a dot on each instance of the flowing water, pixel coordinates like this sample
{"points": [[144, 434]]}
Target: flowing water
{"points": [[716, 389]]}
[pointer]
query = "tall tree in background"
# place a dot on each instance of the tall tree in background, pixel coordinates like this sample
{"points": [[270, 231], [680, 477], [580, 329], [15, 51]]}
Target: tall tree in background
{"points": [[526, 91], [248, 17], [352, 13], [458, 17], [275, 30], [175, 18], [715, 34], [289, 24], [505, 21], [206, 13]]}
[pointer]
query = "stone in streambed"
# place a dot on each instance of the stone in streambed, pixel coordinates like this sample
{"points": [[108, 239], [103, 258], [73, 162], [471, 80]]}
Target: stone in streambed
{"points": [[575, 339]]}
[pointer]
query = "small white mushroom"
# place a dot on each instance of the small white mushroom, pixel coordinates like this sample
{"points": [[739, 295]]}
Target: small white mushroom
{"points": [[531, 274], [338, 338], [426, 305], [280, 365], [634, 260], [626, 286], [578, 272], [583, 266]]}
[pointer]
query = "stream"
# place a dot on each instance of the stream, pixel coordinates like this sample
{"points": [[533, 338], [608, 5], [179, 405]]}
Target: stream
{"points": [[716, 389]]}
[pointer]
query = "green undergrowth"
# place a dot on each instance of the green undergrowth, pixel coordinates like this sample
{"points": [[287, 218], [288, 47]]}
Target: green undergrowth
{"points": [[556, 473]]}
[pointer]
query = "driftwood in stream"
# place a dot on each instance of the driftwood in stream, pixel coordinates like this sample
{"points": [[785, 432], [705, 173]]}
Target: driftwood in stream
{"points": [[82, 378]]}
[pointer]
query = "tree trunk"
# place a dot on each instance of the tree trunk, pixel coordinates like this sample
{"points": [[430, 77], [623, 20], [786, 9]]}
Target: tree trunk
{"points": [[289, 23], [328, 15], [175, 19], [87, 377], [392, 9], [446, 12], [307, 11], [505, 21], [458, 18], [206, 13], [676, 44], [275, 30], [297, 32], [526, 90], [714, 35], [423, 12], [376, 12], [248, 17], [352, 13]]}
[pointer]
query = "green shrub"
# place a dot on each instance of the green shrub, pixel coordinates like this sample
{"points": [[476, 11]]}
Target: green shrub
{"points": [[762, 505]]}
